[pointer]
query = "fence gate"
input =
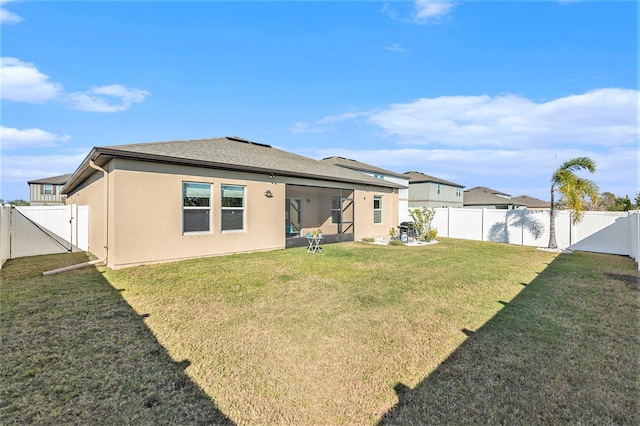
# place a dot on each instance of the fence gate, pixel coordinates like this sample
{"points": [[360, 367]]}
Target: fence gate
{"points": [[38, 230]]}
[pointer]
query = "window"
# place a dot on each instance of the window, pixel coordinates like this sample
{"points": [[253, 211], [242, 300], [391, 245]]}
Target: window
{"points": [[48, 189], [378, 176], [458, 192], [438, 188], [336, 215], [232, 208], [377, 209], [196, 207]]}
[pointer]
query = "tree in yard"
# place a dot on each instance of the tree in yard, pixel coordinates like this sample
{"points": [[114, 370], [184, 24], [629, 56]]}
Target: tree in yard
{"points": [[573, 191], [422, 219], [16, 202]]}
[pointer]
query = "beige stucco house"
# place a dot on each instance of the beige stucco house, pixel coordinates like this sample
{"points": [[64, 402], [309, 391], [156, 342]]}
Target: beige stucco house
{"points": [[166, 201], [47, 191], [432, 192]]}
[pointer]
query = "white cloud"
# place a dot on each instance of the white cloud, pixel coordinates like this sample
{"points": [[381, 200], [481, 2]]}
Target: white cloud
{"points": [[18, 169], [601, 117], [100, 99], [301, 127], [342, 117], [506, 142], [428, 10], [7, 17], [13, 138], [513, 171], [423, 12], [23, 82], [395, 47]]}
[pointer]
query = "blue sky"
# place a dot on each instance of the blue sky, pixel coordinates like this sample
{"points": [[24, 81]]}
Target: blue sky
{"points": [[481, 93]]}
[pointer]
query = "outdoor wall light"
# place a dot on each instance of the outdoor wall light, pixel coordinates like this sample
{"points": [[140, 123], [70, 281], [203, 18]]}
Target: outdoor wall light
{"points": [[268, 193]]}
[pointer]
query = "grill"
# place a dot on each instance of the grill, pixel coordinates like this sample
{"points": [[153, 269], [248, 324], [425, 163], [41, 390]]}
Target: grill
{"points": [[407, 231]]}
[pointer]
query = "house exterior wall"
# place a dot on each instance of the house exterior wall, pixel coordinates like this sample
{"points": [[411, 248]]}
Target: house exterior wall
{"points": [[403, 195], [37, 196], [145, 210], [148, 223], [364, 223], [425, 194], [92, 193]]}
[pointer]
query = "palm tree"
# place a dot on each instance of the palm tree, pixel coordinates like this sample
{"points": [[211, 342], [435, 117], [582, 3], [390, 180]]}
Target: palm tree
{"points": [[573, 189]]}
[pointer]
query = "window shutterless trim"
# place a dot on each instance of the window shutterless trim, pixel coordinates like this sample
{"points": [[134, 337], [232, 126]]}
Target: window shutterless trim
{"points": [[191, 208], [241, 208]]}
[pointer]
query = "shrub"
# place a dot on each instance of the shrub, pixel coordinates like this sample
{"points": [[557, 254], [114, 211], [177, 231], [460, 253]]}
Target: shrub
{"points": [[396, 243], [368, 240], [422, 219]]}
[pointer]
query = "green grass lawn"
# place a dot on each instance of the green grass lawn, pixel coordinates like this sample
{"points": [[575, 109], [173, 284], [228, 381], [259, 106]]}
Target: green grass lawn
{"points": [[457, 332]]}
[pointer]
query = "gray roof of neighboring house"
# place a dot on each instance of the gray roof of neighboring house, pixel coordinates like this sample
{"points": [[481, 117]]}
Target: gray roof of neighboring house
{"points": [[482, 196], [228, 153], [418, 177], [356, 165], [54, 180], [532, 202], [488, 190]]}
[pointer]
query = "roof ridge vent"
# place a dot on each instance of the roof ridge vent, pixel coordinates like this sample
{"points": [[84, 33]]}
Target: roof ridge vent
{"points": [[239, 139]]}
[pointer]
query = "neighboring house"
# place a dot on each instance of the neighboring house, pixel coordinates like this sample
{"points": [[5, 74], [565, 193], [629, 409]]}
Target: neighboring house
{"points": [[47, 191], [532, 203], [166, 201], [429, 191], [377, 172], [482, 197]]}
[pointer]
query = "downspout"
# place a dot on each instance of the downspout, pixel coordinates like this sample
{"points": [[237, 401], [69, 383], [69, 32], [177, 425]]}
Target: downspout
{"points": [[93, 165]]}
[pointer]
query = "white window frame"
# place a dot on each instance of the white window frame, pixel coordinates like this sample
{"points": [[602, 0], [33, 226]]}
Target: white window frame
{"points": [[47, 189], [209, 208], [242, 208], [379, 198]]}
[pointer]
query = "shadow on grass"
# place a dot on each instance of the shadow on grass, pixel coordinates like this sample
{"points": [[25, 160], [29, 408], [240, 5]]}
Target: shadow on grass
{"points": [[566, 349], [74, 352]]}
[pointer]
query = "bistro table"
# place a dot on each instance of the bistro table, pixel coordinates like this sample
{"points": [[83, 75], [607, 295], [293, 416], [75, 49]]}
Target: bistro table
{"points": [[314, 244]]}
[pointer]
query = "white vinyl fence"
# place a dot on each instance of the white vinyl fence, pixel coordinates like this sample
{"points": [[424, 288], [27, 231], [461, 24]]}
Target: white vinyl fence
{"points": [[5, 239], [602, 232], [37, 230]]}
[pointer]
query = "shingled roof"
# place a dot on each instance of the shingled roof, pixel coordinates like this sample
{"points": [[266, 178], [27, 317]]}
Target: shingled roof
{"points": [[531, 202], [54, 180], [483, 196], [418, 177], [357, 165], [228, 153]]}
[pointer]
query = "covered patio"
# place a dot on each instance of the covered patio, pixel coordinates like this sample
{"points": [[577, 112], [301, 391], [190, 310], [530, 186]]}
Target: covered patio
{"points": [[308, 208]]}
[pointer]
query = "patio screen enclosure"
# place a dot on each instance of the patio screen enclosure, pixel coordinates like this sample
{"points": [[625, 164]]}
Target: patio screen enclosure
{"points": [[309, 208]]}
